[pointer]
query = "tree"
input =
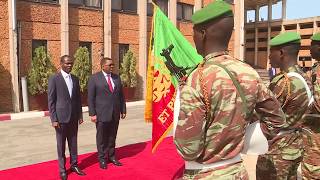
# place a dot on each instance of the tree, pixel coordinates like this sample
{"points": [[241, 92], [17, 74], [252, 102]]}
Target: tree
{"points": [[41, 70], [82, 67], [128, 72]]}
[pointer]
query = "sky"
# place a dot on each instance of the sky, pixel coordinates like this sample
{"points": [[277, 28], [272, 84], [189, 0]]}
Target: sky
{"points": [[296, 9]]}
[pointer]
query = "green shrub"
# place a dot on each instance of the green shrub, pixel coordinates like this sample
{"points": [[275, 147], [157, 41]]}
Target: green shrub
{"points": [[41, 70], [128, 72], [82, 67]]}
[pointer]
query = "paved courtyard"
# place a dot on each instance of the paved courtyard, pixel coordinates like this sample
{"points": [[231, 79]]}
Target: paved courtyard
{"points": [[30, 141]]}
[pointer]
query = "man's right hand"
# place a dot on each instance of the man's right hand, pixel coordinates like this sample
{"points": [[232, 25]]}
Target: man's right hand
{"points": [[94, 119], [55, 124]]}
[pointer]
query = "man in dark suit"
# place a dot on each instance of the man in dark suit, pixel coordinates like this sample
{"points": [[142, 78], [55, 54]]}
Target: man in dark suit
{"points": [[65, 109], [106, 105]]}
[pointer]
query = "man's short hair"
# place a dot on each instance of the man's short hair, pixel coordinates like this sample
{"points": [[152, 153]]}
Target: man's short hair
{"points": [[104, 60], [63, 57]]}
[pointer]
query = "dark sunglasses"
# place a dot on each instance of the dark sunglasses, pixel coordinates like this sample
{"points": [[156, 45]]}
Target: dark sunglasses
{"points": [[110, 65]]}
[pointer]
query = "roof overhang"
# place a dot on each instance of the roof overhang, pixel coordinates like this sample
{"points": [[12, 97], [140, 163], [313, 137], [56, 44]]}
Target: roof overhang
{"points": [[252, 4]]}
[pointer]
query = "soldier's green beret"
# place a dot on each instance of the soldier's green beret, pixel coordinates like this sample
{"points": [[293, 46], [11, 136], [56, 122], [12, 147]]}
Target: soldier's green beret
{"points": [[284, 38], [213, 10], [316, 37]]}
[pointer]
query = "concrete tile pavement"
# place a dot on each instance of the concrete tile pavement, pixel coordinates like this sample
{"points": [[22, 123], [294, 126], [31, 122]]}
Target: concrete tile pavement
{"points": [[31, 140]]}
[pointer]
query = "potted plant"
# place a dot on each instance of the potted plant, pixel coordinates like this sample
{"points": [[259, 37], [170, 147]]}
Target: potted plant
{"points": [[38, 76], [128, 75], [82, 68]]}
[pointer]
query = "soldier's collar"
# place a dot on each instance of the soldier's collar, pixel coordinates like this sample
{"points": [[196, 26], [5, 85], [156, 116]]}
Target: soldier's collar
{"points": [[295, 68], [215, 54]]}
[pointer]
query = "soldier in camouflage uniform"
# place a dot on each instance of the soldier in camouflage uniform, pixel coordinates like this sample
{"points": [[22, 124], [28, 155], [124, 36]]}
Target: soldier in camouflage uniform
{"points": [[311, 159], [218, 100], [290, 86]]}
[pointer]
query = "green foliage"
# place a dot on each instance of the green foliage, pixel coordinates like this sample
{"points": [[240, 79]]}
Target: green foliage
{"points": [[128, 72], [41, 70], [82, 67]]}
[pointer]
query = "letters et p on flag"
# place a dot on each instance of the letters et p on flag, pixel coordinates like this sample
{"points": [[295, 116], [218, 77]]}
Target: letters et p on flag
{"points": [[170, 57]]}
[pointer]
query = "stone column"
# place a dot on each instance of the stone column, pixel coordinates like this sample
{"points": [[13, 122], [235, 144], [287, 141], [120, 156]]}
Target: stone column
{"points": [[197, 5], [14, 72], [142, 11], [284, 9], [256, 36], [239, 29], [269, 30], [107, 43], [173, 11], [64, 6]]}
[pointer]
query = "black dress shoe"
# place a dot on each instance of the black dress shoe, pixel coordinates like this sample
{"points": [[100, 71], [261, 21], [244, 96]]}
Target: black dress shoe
{"points": [[63, 176], [78, 171], [116, 162], [103, 165]]}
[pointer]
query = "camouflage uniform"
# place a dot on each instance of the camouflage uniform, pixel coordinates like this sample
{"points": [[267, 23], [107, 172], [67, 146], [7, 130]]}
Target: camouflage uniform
{"points": [[286, 150], [225, 136], [311, 160]]}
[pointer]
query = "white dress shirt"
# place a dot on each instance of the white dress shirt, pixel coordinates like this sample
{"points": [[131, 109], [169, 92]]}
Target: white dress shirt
{"points": [[106, 76], [67, 78]]}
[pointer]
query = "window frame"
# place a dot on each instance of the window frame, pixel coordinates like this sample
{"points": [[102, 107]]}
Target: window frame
{"points": [[41, 42], [122, 10], [183, 14], [83, 3], [84, 44], [124, 46]]}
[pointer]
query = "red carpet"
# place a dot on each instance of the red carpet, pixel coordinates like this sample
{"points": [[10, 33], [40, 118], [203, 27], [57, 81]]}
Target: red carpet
{"points": [[139, 163]]}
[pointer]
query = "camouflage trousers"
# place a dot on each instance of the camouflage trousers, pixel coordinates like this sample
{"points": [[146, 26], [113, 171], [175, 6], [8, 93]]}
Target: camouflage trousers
{"points": [[282, 160], [273, 167], [231, 172], [311, 160]]}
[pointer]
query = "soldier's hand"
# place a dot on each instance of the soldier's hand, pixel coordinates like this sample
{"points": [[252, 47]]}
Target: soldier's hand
{"points": [[94, 119], [123, 116], [55, 124], [80, 121]]}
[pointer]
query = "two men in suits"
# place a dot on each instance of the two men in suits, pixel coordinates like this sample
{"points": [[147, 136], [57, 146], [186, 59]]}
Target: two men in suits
{"points": [[65, 109], [106, 106]]}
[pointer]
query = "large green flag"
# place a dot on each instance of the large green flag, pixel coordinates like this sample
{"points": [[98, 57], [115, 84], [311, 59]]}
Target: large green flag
{"points": [[171, 59]]}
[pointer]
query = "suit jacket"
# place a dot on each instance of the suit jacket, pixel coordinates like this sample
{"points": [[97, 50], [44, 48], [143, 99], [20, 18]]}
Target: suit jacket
{"points": [[101, 101], [62, 107]]}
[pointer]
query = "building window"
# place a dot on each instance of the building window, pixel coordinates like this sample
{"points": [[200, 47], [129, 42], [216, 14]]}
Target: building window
{"points": [[162, 4], [124, 5], [47, 1], [87, 3], [123, 49], [37, 43], [149, 9], [88, 45], [184, 11]]}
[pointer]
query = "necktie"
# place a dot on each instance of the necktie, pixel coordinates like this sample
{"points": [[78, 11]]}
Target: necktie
{"points": [[109, 83], [69, 84]]}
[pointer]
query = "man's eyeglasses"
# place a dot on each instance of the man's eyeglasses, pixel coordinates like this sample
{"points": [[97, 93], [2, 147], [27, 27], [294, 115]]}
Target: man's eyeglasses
{"points": [[111, 65]]}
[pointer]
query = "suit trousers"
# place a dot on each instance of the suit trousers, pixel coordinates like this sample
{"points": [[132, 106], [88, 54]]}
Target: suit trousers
{"points": [[69, 132], [106, 139]]}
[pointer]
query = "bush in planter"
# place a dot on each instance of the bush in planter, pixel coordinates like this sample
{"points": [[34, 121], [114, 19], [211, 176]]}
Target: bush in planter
{"points": [[41, 70], [82, 67], [128, 75], [128, 72]]}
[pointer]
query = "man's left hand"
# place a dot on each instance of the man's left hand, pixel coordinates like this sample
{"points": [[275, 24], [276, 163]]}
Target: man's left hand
{"points": [[80, 121], [123, 116]]}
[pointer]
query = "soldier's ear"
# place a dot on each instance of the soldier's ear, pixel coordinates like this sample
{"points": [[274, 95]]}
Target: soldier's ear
{"points": [[203, 34]]}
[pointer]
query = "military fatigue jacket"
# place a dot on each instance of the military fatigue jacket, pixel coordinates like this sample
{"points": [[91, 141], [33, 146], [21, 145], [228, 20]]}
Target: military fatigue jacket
{"points": [[292, 95], [315, 108], [225, 136]]}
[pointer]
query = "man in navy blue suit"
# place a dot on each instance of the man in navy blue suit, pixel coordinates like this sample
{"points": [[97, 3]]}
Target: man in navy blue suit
{"points": [[64, 102], [106, 106]]}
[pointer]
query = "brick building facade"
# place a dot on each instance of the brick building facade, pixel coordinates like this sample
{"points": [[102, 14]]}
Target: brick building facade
{"points": [[106, 27]]}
